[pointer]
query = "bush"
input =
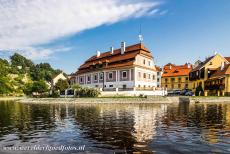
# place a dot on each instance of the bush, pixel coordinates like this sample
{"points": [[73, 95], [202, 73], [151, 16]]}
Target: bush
{"points": [[85, 92], [199, 91], [55, 94], [37, 86]]}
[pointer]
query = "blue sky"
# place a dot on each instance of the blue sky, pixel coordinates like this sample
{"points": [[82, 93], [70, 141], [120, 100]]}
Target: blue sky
{"points": [[176, 31]]}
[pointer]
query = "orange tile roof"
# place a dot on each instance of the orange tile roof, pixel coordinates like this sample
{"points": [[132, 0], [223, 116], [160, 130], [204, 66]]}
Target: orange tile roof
{"points": [[158, 68], [171, 70], [116, 59]]}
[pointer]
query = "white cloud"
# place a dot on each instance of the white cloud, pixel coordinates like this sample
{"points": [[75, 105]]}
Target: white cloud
{"points": [[27, 24]]}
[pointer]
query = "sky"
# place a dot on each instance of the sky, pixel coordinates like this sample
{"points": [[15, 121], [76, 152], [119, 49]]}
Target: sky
{"points": [[66, 33]]}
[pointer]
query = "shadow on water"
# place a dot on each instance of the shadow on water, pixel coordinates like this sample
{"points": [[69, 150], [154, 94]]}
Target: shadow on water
{"points": [[120, 128]]}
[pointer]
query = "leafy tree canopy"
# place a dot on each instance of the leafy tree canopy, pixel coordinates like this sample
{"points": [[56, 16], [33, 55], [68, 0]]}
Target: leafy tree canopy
{"points": [[61, 85]]}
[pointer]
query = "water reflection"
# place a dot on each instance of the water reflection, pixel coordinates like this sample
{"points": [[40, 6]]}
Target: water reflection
{"points": [[108, 128]]}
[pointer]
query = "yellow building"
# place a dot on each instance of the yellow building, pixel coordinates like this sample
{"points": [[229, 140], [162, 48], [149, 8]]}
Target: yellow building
{"points": [[176, 77], [212, 75]]}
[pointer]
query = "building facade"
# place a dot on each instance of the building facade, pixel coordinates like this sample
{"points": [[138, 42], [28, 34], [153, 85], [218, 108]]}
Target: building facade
{"points": [[127, 68], [212, 75], [159, 74], [176, 77]]}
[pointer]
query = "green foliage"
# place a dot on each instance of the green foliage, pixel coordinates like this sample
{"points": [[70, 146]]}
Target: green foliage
{"points": [[19, 60], [43, 71], [55, 94], [4, 67], [61, 85], [40, 86], [28, 88], [199, 91], [37, 86], [85, 92], [5, 86], [14, 80]]}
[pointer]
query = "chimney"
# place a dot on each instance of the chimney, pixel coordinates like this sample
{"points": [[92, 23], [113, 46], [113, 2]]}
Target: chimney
{"points": [[98, 53], [222, 66], [189, 65], [122, 47], [111, 50]]}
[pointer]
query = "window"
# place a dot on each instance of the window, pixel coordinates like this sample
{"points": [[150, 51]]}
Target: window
{"points": [[149, 76], [144, 61], [172, 86], [95, 77], [158, 80], [111, 86], [139, 74], [172, 79], [110, 75], [158, 73], [149, 63], [166, 86], [166, 80], [179, 79], [153, 77], [124, 74], [101, 76], [81, 79], [186, 78], [210, 63], [88, 78], [96, 86], [139, 86], [179, 85], [144, 75], [186, 85]]}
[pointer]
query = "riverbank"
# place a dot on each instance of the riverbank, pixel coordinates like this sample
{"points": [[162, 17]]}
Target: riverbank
{"points": [[96, 100], [149, 99], [11, 98]]}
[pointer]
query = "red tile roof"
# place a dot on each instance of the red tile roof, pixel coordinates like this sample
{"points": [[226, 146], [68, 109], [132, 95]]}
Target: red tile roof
{"points": [[158, 68], [171, 70], [228, 59], [108, 60]]}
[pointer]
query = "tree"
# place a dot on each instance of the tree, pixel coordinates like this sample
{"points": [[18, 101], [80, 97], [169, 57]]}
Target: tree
{"points": [[5, 86], [39, 86], [199, 91], [4, 67], [19, 60], [61, 85]]}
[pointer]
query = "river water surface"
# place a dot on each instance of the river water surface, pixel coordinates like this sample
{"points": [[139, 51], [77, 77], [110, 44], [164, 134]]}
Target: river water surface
{"points": [[115, 128]]}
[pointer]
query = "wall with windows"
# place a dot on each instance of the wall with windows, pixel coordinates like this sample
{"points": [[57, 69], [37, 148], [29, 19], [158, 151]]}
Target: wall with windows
{"points": [[126, 78], [145, 61], [176, 82], [145, 78]]}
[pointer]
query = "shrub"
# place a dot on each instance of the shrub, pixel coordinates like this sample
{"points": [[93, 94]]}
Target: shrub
{"points": [[85, 92], [199, 91]]}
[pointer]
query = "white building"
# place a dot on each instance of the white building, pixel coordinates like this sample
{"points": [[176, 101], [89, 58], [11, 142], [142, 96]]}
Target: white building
{"points": [[127, 68]]}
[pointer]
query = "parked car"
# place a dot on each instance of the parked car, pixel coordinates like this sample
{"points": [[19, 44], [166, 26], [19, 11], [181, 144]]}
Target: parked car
{"points": [[184, 91], [174, 92], [189, 93]]}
